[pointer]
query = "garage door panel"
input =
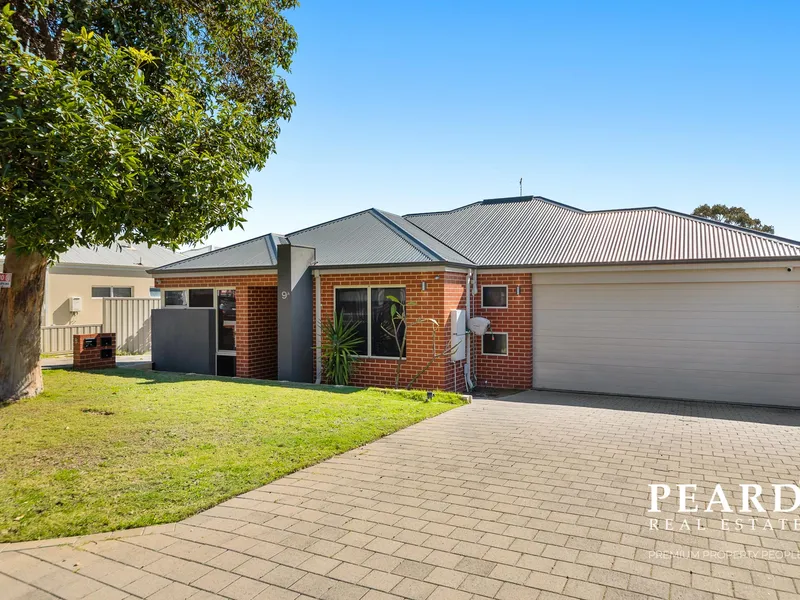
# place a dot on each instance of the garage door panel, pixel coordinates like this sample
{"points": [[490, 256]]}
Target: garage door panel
{"points": [[642, 327], [672, 383], [733, 341], [700, 355], [748, 297]]}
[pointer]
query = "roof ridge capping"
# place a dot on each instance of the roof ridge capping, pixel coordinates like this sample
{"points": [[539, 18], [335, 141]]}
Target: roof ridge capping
{"points": [[330, 221], [507, 200], [425, 249]]}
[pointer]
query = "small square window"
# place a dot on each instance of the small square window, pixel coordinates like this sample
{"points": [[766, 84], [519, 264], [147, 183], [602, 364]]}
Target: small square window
{"points": [[495, 343], [203, 298], [494, 296], [155, 292], [175, 298], [101, 292]]}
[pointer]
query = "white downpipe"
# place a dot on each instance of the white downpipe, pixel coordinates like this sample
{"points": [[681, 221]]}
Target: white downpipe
{"points": [[318, 325], [468, 335]]}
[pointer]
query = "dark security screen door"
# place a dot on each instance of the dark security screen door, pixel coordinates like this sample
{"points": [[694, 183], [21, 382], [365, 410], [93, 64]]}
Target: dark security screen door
{"points": [[226, 320]]}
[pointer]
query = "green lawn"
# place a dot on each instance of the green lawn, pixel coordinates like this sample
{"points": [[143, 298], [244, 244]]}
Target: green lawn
{"points": [[125, 448]]}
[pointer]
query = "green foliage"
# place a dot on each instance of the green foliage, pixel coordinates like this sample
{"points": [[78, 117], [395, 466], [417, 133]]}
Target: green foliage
{"points": [[421, 395], [128, 448], [340, 340], [732, 215], [136, 121]]}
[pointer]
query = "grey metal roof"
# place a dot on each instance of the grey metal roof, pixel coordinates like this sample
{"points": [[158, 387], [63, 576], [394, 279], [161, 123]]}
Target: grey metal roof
{"points": [[523, 231], [373, 237], [124, 255], [258, 253], [535, 231], [369, 237]]}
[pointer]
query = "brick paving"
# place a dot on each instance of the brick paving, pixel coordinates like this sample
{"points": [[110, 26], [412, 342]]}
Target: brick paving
{"points": [[501, 499]]}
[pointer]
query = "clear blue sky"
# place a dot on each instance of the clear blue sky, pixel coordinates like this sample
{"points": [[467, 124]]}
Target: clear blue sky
{"points": [[418, 106]]}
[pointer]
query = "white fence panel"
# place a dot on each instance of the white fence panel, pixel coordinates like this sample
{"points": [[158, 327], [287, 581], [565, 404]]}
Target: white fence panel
{"points": [[58, 338], [129, 318]]}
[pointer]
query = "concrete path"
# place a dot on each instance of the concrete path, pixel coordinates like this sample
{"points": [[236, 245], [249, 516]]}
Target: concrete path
{"points": [[533, 497]]}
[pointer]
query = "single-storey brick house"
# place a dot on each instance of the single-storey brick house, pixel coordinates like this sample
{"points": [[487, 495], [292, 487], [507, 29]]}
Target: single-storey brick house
{"points": [[643, 301]]}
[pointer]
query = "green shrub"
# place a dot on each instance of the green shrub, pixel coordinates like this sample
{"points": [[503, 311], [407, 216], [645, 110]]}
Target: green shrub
{"points": [[339, 342]]}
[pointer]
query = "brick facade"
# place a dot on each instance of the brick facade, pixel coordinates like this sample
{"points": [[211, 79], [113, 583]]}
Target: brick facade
{"points": [[84, 358], [256, 317], [445, 291], [515, 370], [257, 325]]}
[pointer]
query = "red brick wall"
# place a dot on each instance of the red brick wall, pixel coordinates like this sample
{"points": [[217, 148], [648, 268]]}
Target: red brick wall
{"points": [[516, 369], [455, 297], [441, 295], [90, 358], [257, 326], [256, 318]]}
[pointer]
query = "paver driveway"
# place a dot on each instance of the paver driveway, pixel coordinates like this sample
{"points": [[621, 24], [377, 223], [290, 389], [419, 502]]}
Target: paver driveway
{"points": [[500, 499]]}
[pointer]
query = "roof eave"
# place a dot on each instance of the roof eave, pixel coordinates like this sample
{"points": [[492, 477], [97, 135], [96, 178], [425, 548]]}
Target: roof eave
{"points": [[438, 263], [698, 261], [159, 271]]}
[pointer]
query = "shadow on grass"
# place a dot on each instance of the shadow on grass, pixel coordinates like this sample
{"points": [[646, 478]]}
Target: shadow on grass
{"points": [[768, 415], [164, 377]]}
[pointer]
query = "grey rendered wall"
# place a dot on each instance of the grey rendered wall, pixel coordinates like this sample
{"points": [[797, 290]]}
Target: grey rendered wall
{"points": [[183, 340], [295, 313]]}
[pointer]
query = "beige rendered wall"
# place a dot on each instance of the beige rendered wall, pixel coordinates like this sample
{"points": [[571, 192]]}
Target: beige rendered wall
{"points": [[64, 282]]}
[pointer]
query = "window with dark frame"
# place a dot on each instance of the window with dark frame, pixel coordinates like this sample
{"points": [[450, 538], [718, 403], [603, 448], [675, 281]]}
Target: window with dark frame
{"points": [[495, 344], [155, 292], [384, 342], [371, 310], [351, 305], [175, 298], [201, 298], [494, 296]]}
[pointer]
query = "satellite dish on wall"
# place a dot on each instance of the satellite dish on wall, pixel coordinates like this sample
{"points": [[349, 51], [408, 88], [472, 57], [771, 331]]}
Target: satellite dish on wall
{"points": [[478, 325]]}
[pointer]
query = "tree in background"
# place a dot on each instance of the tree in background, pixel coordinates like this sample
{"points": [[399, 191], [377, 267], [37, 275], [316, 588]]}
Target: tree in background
{"points": [[133, 121], [732, 215]]}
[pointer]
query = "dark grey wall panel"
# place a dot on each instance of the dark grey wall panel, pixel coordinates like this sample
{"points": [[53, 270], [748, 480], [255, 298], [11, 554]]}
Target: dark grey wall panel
{"points": [[295, 313], [183, 340]]}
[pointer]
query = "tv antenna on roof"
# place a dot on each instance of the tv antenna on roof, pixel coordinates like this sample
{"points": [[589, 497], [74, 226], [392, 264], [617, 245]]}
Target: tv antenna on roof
{"points": [[520, 186]]}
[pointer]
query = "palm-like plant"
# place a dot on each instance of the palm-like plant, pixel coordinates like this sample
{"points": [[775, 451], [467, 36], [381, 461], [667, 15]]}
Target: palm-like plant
{"points": [[340, 340]]}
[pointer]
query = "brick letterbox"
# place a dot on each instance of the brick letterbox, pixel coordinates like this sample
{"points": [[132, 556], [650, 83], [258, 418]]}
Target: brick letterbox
{"points": [[94, 351]]}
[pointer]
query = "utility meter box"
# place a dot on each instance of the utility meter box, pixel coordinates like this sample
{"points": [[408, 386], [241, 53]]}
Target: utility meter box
{"points": [[75, 304], [458, 334]]}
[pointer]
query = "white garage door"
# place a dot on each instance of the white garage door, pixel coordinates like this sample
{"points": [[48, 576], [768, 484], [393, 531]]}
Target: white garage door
{"points": [[732, 341]]}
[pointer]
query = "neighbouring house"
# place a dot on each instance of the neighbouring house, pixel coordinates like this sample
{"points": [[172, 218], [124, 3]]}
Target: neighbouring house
{"points": [[646, 301], [76, 285], [82, 277]]}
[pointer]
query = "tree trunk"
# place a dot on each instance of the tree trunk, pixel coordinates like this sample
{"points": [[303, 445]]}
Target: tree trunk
{"points": [[20, 322]]}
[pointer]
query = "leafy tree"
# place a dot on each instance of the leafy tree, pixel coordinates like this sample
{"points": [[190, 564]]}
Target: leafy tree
{"points": [[126, 120], [732, 215]]}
